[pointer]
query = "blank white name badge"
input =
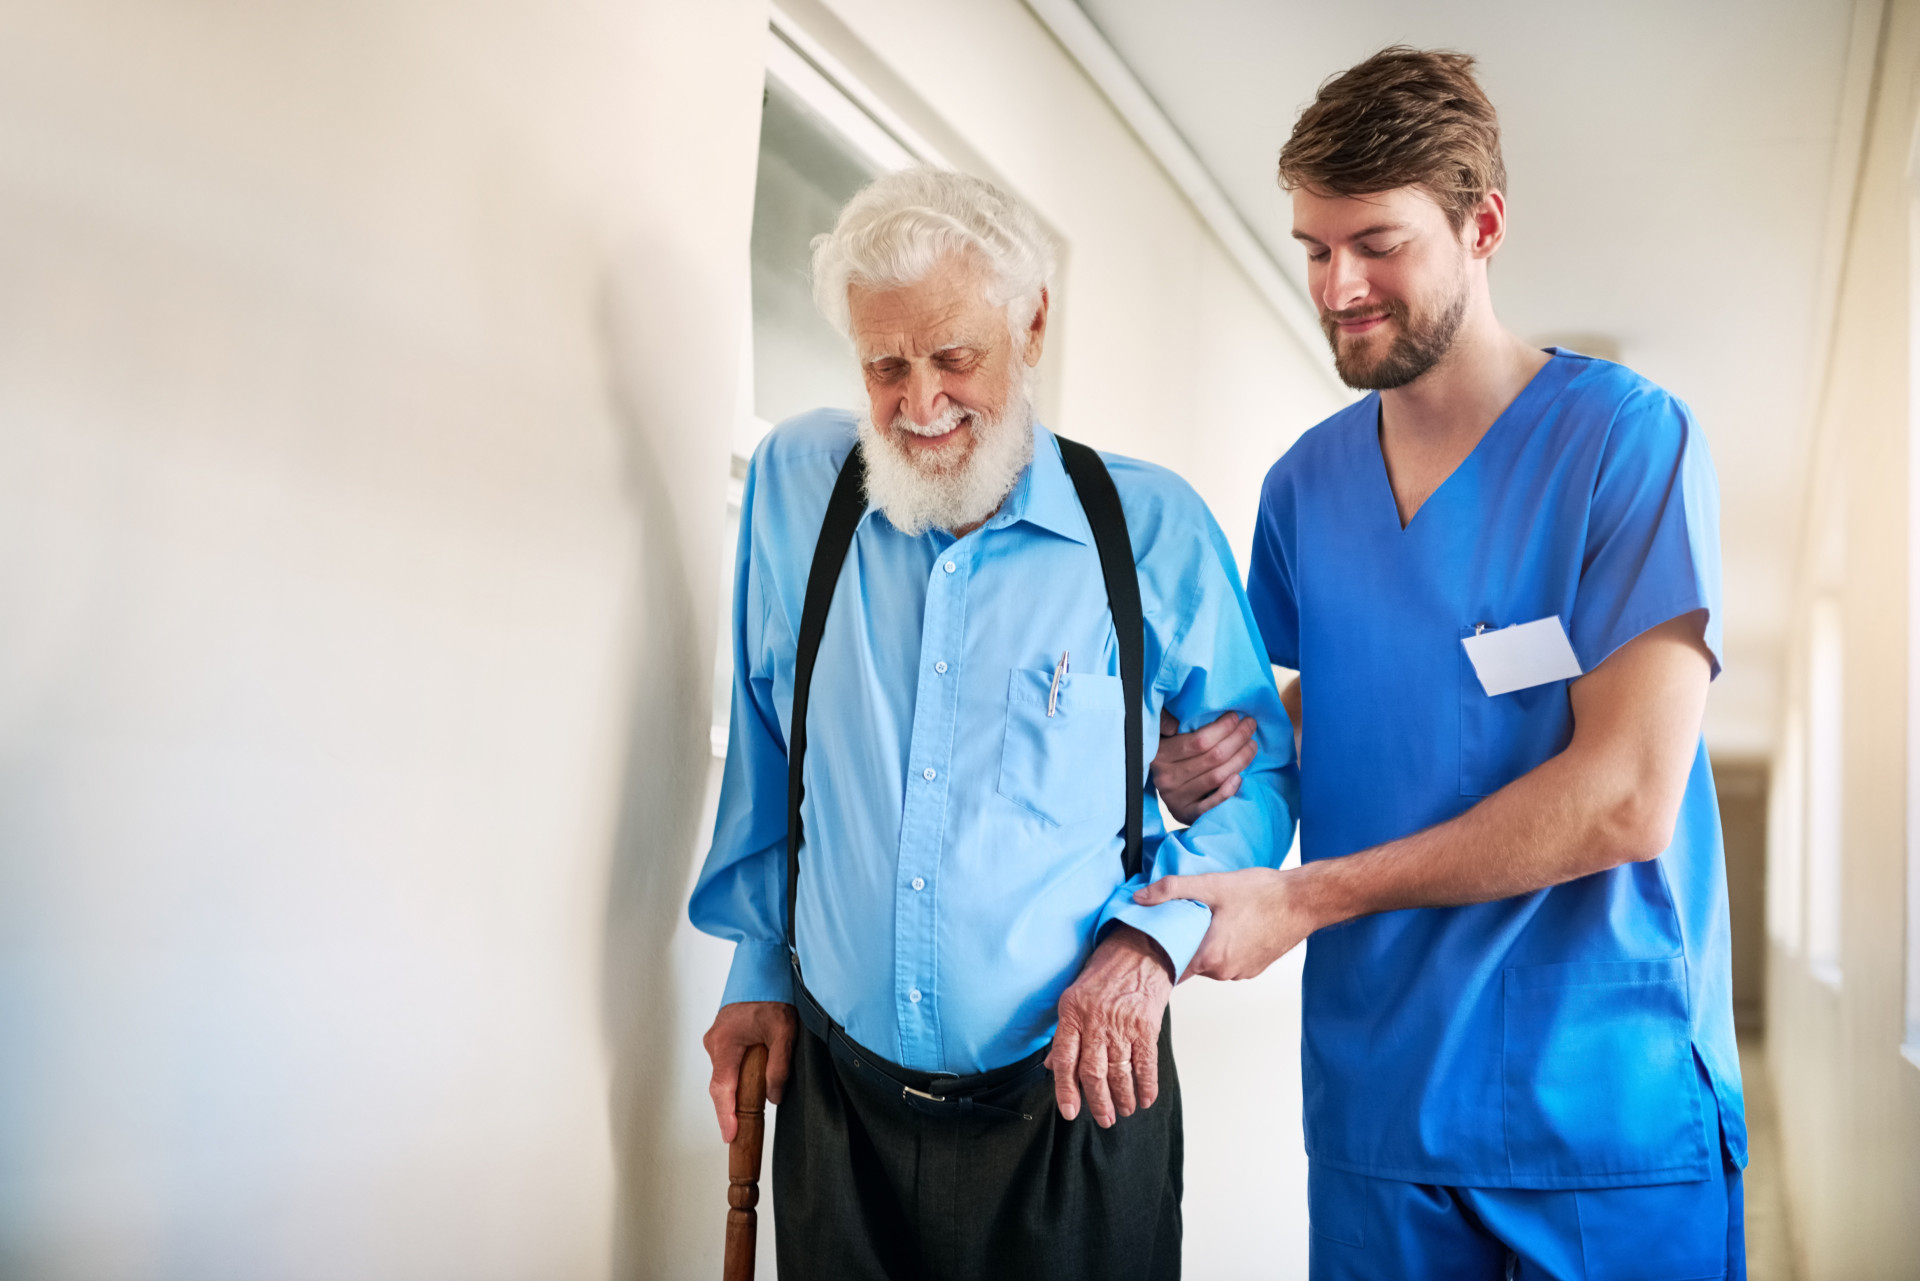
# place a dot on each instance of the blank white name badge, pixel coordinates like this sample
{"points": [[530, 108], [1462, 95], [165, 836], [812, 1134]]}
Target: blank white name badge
{"points": [[1522, 656]]}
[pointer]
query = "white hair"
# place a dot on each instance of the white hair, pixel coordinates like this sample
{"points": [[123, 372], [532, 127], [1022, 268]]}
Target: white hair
{"points": [[900, 226]]}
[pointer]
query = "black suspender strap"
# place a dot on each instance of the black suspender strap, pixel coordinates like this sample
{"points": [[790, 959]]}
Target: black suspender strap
{"points": [[1101, 502], [844, 510]]}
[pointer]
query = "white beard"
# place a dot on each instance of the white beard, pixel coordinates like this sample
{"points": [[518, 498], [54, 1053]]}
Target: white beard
{"points": [[947, 490]]}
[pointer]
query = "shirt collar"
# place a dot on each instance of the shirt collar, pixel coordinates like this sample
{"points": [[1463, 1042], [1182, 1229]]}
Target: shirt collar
{"points": [[1043, 496]]}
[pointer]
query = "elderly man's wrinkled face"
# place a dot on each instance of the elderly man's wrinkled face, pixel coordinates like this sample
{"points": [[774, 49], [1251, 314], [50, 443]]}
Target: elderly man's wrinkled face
{"points": [[949, 428]]}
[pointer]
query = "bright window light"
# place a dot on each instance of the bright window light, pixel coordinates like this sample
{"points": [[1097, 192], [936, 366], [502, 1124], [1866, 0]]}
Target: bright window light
{"points": [[1825, 787], [1787, 836]]}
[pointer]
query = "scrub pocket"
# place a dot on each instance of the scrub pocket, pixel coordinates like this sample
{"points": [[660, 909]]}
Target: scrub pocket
{"points": [[1336, 1204], [1598, 1070], [1504, 736], [1068, 767]]}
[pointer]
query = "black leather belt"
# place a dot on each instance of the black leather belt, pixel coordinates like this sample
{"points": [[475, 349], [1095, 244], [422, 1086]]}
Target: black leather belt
{"points": [[936, 1093]]}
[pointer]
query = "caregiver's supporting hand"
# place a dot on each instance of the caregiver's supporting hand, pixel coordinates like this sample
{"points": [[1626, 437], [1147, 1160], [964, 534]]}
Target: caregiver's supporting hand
{"points": [[1259, 915], [1195, 772], [1108, 1041], [1610, 797]]}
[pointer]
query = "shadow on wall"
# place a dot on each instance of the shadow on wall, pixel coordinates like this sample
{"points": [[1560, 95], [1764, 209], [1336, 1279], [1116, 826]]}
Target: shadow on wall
{"points": [[661, 790]]}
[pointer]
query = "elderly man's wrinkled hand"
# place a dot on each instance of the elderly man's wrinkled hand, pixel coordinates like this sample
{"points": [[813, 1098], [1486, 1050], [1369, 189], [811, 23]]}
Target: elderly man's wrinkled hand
{"points": [[1108, 1043], [739, 1025]]}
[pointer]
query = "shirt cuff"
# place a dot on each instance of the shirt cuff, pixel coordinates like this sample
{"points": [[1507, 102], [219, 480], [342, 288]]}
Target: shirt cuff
{"points": [[760, 972], [1177, 926]]}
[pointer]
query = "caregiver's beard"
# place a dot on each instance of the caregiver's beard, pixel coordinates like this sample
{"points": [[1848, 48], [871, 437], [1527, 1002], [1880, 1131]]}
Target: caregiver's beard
{"points": [[1422, 341], [959, 484]]}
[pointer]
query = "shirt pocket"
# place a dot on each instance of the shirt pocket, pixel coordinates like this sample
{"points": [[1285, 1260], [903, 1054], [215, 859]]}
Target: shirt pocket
{"points": [[1504, 736], [1067, 767], [1597, 1070]]}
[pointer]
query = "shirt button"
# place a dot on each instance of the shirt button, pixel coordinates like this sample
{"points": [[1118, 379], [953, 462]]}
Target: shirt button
{"points": [[919, 882], [914, 996], [927, 773], [949, 567], [941, 667]]}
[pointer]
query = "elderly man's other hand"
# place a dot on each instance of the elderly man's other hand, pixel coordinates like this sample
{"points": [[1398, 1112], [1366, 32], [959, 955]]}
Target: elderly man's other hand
{"points": [[737, 1026], [1195, 772], [1108, 1042]]}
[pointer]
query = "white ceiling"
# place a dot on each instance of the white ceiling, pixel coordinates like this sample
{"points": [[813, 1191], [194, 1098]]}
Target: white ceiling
{"points": [[1670, 169]]}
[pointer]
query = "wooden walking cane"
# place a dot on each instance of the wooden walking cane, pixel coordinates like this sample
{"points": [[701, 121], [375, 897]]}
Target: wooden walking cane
{"points": [[743, 1165]]}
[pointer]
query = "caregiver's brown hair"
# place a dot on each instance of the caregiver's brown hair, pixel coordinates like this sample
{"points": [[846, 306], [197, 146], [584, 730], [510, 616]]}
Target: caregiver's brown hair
{"points": [[1405, 117]]}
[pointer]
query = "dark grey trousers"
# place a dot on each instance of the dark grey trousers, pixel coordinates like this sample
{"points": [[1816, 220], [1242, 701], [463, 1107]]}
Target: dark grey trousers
{"points": [[873, 1183]]}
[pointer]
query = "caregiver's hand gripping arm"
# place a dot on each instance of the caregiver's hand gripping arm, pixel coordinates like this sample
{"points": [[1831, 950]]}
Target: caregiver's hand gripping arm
{"points": [[1195, 772], [1610, 798]]}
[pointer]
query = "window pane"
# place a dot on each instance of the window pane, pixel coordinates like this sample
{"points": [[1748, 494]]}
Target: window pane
{"points": [[807, 172]]}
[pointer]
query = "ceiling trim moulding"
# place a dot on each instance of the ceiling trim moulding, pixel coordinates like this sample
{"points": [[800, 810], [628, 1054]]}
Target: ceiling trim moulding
{"points": [[1130, 99]]}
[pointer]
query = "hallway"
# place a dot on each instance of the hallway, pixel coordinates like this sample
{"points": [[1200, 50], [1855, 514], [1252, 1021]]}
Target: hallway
{"points": [[377, 389]]}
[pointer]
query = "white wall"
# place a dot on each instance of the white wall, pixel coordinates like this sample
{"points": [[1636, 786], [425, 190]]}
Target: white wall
{"points": [[366, 373], [1849, 1101]]}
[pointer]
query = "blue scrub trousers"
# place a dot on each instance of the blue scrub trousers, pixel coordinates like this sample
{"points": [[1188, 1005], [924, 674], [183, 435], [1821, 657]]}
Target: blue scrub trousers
{"points": [[1367, 1229]]}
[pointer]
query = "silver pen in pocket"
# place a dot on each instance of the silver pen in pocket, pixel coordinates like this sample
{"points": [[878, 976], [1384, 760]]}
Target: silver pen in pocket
{"points": [[1053, 695]]}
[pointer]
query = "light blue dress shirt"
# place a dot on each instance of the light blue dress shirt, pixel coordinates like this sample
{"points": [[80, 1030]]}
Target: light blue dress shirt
{"points": [[1579, 1036], [963, 847]]}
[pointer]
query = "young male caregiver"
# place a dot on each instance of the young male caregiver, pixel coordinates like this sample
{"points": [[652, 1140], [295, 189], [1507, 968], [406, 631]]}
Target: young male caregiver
{"points": [[1518, 1034]]}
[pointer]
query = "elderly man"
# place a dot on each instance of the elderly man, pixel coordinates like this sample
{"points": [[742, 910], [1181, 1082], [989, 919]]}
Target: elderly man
{"points": [[969, 621]]}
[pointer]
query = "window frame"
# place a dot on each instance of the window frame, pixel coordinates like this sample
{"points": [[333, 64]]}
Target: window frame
{"points": [[1910, 1039]]}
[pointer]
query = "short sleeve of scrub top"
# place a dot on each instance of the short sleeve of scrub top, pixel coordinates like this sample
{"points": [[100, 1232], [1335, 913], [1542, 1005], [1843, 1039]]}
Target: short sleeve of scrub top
{"points": [[1653, 532], [1270, 577]]}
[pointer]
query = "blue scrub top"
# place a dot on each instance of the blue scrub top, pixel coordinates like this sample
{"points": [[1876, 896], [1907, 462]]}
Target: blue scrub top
{"points": [[1575, 1037]]}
